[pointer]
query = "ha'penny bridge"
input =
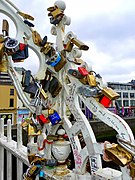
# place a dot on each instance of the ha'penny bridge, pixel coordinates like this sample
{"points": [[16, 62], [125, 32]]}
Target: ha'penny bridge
{"points": [[59, 148]]}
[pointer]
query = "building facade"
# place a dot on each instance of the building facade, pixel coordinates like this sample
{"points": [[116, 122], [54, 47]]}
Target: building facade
{"points": [[125, 105], [10, 105], [8, 99]]}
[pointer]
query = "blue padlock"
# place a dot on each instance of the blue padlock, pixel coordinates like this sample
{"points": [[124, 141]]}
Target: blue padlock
{"points": [[57, 60], [42, 175], [54, 118]]}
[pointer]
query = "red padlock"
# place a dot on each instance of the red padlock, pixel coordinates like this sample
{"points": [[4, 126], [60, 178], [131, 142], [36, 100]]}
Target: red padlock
{"points": [[83, 71], [42, 119], [105, 101]]}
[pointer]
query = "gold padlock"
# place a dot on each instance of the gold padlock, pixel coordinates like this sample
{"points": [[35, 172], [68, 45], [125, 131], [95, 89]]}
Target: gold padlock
{"points": [[5, 27], [79, 44], [46, 48], [119, 155], [91, 80], [84, 80], [25, 16], [1, 51], [110, 93], [61, 64], [69, 46], [31, 131], [56, 12], [2, 39], [43, 93], [4, 64], [132, 169], [36, 38]]}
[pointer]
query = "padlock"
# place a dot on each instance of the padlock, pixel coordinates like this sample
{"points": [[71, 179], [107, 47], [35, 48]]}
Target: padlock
{"points": [[54, 117], [84, 80], [4, 63], [2, 39], [32, 89], [54, 60], [38, 161], [31, 131], [42, 175], [69, 46], [26, 79], [33, 170], [21, 54], [44, 41], [25, 16], [11, 46], [56, 12], [46, 81], [75, 73], [132, 169], [36, 38], [5, 28], [28, 23], [79, 44], [105, 101], [42, 119], [83, 71], [35, 101], [55, 87], [91, 80], [56, 20], [110, 93], [119, 155], [52, 137], [60, 64], [46, 48], [51, 162], [1, 51]]}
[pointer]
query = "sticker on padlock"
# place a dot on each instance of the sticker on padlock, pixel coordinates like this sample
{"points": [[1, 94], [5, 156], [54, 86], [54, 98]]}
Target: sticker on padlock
{"points": [[54, 60], [83, 71], [54, 117]]}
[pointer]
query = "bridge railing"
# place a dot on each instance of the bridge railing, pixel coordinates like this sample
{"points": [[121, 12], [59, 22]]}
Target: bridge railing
{"points": [[12, 148]]}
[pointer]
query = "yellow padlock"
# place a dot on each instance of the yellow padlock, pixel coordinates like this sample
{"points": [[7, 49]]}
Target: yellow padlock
{"points": [[56, 12], [4, 64], [119, 155], [1, 51], [110, 93], [36, 38], [31, 131], [91, 80]]}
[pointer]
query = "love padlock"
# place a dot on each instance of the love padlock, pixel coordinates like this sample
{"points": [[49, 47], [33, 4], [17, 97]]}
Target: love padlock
{"points": [[54, 87], [42, 119], [83, 71], [26, 79], [53, 117]]}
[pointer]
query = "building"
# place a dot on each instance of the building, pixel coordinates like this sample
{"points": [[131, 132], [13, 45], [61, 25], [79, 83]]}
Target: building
{"points": [[10, 105], [8, 99], [125, 105]]}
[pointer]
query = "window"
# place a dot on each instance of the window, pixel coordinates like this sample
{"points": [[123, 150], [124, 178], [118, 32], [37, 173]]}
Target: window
{"points": [[132, 95], [125, 103], [125, 95], [132, 103], [11, 91], [11, 103]]}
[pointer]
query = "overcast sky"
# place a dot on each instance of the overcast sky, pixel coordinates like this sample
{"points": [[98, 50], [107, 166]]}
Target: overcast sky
{"points": [[106, 26]]}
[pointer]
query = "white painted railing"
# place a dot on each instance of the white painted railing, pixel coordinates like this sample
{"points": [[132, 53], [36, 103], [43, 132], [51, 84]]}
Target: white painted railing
{"points": [[12, 148]]}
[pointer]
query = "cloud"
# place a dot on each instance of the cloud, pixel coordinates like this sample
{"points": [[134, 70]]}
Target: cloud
{"points": [[107, 26]]}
